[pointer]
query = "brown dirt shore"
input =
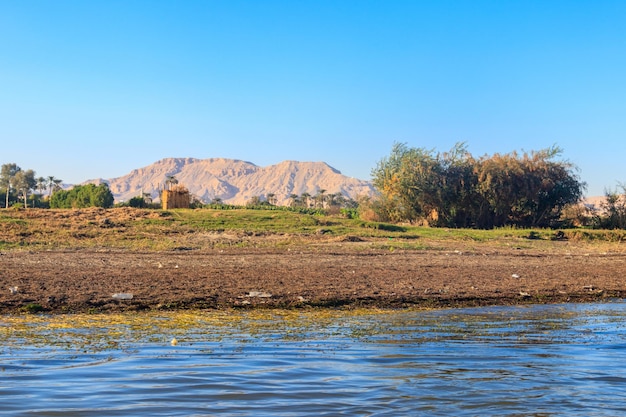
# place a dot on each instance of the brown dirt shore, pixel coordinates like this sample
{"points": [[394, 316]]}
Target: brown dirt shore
{"points": [[347, 276]]}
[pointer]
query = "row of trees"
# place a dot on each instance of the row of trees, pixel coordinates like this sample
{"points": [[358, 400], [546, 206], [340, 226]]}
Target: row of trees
{"points": [[17, 184], [451, 189], [321, 200], [454, 189]]}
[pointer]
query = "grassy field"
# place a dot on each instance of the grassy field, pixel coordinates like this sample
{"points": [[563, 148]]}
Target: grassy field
{"points": [[148, 230]]}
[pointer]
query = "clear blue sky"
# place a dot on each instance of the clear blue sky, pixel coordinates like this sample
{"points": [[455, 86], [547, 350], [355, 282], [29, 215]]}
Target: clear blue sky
{"points": [[94, 89]]}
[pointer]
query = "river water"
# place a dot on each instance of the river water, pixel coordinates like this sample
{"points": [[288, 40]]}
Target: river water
{"points": [[554, 360]]}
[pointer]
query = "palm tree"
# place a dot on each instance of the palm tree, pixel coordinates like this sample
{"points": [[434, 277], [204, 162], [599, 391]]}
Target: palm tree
{"points": [[255, 200], [320, 197], [171, 181], [53, 184], [294, 200], [305, 199], [57, 184], [334, 199], [271, 199], [41, 185]]}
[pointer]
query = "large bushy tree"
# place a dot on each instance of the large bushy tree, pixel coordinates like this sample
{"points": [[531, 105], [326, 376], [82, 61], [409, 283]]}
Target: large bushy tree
{"points": [[417, 183], [454, 189]]}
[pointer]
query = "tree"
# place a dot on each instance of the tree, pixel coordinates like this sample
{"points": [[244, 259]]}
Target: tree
{"points": [[41, 185], [7, 174], [53, 185], [254, 201], [331, 199], [549, 188], [614, 209], [499, 178], [137, 202], [295, 200], [170, 181], [271, 199], [88, 195], [453, 189], [407, 180], [24, 181], [305, 197], [101, 196], [141, 201], [529, 190], [320, 198]]}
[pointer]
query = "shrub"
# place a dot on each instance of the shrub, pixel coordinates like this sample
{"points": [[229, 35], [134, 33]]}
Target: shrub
{"points": [[81, 196]]}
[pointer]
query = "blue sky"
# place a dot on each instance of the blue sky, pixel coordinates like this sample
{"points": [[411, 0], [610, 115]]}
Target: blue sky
{"points": [[94, 89]]}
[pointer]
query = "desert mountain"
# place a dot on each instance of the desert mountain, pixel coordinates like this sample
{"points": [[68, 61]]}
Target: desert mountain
{"points": [[235, 182]]}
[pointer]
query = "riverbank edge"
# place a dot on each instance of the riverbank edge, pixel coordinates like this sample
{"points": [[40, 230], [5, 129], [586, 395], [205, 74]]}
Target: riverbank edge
{"points": [[87, 281], [399, 303]]}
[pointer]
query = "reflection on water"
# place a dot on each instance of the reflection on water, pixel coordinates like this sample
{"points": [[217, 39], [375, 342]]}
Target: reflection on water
{"points": [[537, 361]]}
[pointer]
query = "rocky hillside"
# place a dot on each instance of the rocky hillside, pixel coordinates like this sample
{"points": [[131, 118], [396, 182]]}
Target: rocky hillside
{"points": [[234, 181]]}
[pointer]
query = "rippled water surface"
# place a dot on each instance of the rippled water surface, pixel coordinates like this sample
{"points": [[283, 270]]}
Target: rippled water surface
{"points": [[515, 361]]}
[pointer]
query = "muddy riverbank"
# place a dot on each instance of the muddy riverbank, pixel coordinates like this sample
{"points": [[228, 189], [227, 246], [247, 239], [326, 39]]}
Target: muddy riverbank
{"points": [[340, 275]]}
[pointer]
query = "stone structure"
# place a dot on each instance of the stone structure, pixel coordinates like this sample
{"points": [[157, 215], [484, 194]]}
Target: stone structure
{"points": [[176, 197]]}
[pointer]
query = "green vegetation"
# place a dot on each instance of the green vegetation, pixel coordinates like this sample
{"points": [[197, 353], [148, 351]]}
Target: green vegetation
{"points": [[614, 208], [416, 186], [98, 332], [82, 196], [197, 229], [32, 308], [16, 184], [20, 182], [454, 189]]}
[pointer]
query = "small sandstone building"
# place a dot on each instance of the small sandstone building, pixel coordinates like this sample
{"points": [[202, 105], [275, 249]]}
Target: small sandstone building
{"points": [[176, 197]]}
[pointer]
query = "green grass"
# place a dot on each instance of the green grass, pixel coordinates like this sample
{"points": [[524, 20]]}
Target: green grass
{"points": [[242, 219], [139, 229]]}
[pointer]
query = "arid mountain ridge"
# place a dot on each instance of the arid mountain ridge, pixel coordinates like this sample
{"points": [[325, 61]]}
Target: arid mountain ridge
{"points": [[235, 181]]}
